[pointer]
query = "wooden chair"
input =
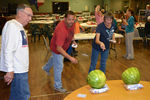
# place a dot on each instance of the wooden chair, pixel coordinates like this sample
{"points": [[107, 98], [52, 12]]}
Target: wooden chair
{"points": [[35, 30], [141, 35]]}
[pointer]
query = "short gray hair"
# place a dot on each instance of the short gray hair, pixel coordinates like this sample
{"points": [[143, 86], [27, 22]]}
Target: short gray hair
{"points": [[22, 7]]}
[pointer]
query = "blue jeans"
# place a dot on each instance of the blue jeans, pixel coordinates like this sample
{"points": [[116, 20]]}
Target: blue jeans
{"points": [[56, 60], [20, 87], [94, 58], [69, 50]]}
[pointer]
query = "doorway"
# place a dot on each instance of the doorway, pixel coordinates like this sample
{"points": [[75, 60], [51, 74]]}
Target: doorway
{"points": [[60, 7]]}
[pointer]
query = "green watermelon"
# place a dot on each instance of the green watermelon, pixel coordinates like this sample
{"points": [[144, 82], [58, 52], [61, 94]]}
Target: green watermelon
{"points": [[96, 79], [131, 76]]}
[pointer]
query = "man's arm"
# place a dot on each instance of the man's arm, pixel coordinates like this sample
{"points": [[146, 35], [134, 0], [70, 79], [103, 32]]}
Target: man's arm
{"points": [[66, 55], [9, 46]]}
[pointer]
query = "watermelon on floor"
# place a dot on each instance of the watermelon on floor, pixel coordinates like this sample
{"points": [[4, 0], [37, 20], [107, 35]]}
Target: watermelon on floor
{"points": [[131, 76], [96, 79]]}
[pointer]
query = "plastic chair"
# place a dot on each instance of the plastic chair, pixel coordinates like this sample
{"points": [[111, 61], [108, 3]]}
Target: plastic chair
{"points": [[141, 31], [47, 31], [142, 36], [35, 30], [147, 39], [46, 45], [147, 31]]}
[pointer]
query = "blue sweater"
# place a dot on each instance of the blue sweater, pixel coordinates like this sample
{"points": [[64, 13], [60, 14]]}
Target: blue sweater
{"points": [[105, 35], [130, 27]]}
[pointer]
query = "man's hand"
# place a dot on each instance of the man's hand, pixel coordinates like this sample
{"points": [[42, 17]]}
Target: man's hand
{"points": [[9, 77], [73, 60], [66, 55]]}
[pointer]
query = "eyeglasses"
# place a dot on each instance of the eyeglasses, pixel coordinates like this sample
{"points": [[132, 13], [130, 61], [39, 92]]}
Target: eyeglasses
{"points": [[28, 14]]}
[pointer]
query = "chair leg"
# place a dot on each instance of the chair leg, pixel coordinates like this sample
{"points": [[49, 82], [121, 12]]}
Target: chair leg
{"points": [[144, 42], [39, 36], [34, 38], [46, 44], [147, 42], [113, 47], [31, 38]]}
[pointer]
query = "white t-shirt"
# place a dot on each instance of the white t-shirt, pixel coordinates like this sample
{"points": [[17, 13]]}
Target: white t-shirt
{"points": [[14, 50]]}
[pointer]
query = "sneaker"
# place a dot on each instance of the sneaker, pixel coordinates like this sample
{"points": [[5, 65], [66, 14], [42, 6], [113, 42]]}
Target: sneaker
{"points": [[124, 56], [47, 72], [129, 58], [61, 89]]}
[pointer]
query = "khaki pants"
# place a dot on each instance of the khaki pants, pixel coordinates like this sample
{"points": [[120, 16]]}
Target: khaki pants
{"points": [[129, 44]]}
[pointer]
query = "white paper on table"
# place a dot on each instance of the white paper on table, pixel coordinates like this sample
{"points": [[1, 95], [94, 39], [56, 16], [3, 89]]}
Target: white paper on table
{"points": [[81, 95], [134, 86], [102, 90]]}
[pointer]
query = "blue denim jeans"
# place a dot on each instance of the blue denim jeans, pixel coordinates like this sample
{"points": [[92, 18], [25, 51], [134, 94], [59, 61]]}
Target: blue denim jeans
{"points": [[69, 50], [20, 87], [56, 60], [94, 58]]}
